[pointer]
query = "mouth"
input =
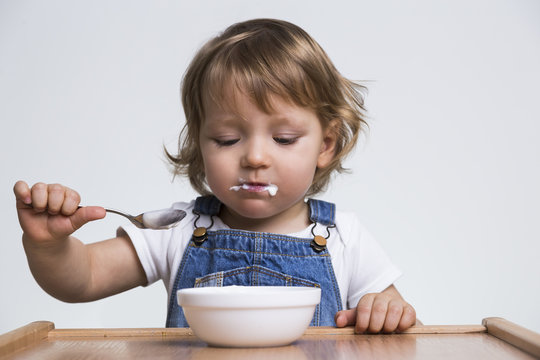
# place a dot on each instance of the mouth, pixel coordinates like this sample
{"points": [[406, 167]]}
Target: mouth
{"points": [[255, 187]]}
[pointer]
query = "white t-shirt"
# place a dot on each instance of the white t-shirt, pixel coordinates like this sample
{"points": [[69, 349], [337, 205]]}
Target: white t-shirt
{"points": [[360, 264]]}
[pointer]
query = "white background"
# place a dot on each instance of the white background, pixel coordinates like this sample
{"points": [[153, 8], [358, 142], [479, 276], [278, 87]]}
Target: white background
{"points": [[447, 178]]}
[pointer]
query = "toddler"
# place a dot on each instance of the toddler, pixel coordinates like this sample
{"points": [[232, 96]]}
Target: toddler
{"points": [[268, 121]]}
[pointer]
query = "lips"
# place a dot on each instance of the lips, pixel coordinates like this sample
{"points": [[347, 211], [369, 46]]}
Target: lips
{"points": [[252, 187], [255, 187]]}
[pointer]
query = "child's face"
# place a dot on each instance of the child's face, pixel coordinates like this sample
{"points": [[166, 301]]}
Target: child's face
{"points": [[246, 150]]}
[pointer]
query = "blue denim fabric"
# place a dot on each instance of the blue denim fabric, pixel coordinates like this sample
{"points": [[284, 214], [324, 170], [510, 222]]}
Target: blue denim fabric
{"points": [[237, 257]]}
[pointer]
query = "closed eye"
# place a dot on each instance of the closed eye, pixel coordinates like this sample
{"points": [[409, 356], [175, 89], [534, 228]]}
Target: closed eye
{"points": [[285, 140], [228, 142]]}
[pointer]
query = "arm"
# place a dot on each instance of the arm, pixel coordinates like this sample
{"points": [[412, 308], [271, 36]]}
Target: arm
{"points": [[385, 312], [62, 265]]}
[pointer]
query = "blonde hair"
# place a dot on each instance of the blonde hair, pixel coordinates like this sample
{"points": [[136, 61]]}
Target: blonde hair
{"points": [[265, 58]]}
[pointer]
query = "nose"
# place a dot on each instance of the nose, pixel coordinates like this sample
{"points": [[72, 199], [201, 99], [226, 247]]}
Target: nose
{"points": [[256, 154]]}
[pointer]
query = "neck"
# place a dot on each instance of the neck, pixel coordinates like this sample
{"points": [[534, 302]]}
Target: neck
{"points": [[291, 220]]}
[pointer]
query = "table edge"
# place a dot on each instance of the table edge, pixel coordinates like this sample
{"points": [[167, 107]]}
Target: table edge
{"points": [[321, 330], [32, 334], [514, 334]]}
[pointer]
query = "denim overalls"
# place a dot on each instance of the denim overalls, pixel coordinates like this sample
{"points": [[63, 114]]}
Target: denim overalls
{"points": [[237, 257]]}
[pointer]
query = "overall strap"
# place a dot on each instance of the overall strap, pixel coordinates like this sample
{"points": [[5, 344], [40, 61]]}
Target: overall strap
{"points": [[322, 212], [207, 205]]}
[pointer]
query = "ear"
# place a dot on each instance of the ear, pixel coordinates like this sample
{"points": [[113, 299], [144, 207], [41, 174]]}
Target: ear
{"points": [[328, 146]]}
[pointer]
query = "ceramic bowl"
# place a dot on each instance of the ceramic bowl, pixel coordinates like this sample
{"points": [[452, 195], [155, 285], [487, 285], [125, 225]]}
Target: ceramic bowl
{"points": [[249, 316]]}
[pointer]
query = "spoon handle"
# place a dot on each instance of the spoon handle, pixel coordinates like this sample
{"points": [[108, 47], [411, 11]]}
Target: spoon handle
{"points": [[136, 220]]}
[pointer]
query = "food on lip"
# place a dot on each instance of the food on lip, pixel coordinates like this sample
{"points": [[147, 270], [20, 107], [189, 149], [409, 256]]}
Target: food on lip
{"points": [[256, 187], [272, 189]]}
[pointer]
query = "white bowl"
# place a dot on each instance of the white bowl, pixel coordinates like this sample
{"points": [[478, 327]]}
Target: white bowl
{"points": [[249, 316]]}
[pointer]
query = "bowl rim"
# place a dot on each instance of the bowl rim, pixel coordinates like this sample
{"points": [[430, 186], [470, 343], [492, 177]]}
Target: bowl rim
{"points": [[249, 297]]}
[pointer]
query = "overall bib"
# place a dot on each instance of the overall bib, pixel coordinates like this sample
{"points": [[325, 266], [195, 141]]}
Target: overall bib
{"points": [[237, 257]]}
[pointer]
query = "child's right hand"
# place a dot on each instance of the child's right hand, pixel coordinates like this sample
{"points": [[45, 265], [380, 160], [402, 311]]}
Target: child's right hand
{"points": [[62, 265], [48, 214]]}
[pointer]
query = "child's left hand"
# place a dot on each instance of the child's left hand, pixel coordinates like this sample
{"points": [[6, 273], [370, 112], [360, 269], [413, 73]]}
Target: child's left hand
{"points": [[385, 312]]}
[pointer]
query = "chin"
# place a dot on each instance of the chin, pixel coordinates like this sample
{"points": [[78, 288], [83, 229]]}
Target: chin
{"points": [[253, 208]]}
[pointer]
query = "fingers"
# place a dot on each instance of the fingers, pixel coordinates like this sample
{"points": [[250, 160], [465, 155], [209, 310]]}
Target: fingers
{"points": [[393, 316], [86, 214], [53, 198], [22, 192], [345, 318], [408, 318], [49, 213], [39, 196], [363, 315], [71, 202], [48, 197], [377, 313]]}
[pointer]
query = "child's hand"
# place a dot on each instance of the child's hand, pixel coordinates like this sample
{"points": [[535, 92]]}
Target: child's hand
{"points": [[53, 214], [381, 312]]}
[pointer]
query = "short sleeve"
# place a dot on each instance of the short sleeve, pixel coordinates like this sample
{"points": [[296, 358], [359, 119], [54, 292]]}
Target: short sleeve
{"points": [[160, 251], [151, 247]]}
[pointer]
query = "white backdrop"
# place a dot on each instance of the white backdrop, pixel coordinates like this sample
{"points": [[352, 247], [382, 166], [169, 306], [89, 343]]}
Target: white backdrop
{"points": [[447, 178]]}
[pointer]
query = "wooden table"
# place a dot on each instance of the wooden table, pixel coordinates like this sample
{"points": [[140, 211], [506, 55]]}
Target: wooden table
{"points": [[496, 338]]}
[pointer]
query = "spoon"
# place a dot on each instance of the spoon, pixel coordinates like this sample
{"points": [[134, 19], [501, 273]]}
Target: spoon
{"points": [[156, 219]]}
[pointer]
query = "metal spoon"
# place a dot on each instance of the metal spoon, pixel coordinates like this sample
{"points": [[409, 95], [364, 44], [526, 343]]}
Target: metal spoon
{"points": [[156, 219]]}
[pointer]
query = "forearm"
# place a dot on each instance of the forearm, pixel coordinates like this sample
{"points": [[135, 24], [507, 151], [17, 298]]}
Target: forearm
{"points": [[63, 270], [75, 272]]}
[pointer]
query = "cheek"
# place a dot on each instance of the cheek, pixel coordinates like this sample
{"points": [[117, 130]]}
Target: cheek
{"points": [[305, 158], [299, 167], [210, 164], [209, 161], [217, 167]]}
